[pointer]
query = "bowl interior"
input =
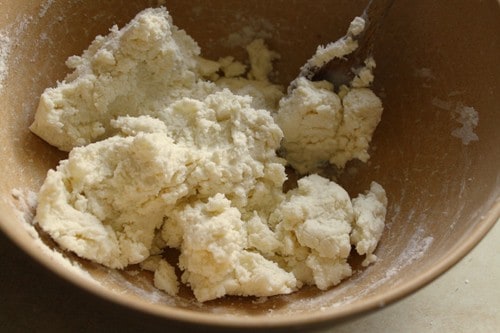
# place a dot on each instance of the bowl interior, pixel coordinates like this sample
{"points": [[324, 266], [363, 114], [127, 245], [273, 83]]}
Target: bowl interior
{"points": [[435, 73]]}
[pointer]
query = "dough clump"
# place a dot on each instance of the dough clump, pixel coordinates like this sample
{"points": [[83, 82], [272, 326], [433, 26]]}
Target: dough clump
{"points": [[323, 126], [171, 150]]}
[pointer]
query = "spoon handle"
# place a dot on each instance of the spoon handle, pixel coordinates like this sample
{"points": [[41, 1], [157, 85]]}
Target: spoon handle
{"points": [[374, 15], [340, 71]]}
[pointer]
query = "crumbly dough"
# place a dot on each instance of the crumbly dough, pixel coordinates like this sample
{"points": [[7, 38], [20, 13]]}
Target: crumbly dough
{"points": [[170, 150], [120, 189], [135, 71], [321, 126]]}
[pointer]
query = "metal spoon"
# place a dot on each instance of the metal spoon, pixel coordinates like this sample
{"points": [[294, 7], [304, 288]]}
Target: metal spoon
{"points": [[341, 71]]}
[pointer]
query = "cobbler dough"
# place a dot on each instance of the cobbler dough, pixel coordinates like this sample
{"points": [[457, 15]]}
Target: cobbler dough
{"points": [[171, 150]]}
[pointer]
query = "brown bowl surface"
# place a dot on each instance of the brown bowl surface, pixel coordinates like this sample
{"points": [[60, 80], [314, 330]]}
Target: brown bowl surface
{"points": [[436, 61]]}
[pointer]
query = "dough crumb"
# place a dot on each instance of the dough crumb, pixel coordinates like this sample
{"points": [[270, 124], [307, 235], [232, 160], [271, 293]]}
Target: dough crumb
{"points": [[165, 278]]}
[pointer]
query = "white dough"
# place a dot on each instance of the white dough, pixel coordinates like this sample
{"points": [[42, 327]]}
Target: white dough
{"points": [[170, 150]]}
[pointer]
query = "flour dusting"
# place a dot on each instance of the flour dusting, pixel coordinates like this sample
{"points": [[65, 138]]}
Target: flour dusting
{"points": [[254, 29], [416, 248], [24, 204], [466, 116], [10, 36], [424, 73], [44, 8], [5, 47]]}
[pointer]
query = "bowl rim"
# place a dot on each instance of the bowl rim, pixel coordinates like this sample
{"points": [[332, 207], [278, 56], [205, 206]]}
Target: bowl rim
{"points": [[404, 289]]}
